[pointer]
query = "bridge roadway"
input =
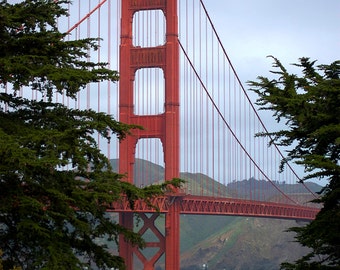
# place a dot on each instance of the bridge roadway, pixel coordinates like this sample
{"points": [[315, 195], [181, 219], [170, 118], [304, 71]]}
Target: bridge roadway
{"points": [[200, 205]]}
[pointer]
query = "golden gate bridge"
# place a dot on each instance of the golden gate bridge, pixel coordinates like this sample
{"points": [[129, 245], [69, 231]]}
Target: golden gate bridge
{"points": [[199, 123]]}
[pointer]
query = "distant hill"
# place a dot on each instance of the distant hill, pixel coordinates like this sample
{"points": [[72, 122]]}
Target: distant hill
{"points": [[228, 242], [260, 189], [238, 243]]}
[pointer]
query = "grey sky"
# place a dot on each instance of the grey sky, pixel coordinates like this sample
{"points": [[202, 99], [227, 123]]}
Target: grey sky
{"points": [[287, 29]]}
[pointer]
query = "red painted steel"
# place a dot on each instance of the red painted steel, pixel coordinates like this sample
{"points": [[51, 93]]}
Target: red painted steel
{"points": [[197, 205], [163, 126], [149, 224], [86, 16]]}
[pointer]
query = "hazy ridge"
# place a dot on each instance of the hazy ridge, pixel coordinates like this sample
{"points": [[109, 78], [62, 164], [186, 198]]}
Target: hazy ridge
{"points": [[228, 242]]}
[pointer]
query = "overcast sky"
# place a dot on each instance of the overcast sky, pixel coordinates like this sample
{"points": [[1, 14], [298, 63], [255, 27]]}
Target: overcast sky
{"points": [[250, 30], [287, 29]]}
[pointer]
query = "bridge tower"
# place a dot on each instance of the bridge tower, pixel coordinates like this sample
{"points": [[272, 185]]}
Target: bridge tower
{"points": [[164, 126]]}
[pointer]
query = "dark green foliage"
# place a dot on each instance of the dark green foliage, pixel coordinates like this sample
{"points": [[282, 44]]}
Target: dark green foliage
{"points": [[33, 52], [55, 184], [309, 105]]}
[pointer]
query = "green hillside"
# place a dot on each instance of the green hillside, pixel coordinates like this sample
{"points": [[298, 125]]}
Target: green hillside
{"points": [[227, 242]]}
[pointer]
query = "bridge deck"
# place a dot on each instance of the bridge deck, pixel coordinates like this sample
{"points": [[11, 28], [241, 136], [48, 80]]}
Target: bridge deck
{"points": [[189, 204]]}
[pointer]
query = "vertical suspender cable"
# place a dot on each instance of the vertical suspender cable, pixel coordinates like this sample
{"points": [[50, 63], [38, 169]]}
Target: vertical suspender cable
{"points": [[98, 57], [207, 103], [218, 123], [212, 113], [192, 105], [109, 66], [78, 37], [88, 95], [225, 139], [199, 94]]}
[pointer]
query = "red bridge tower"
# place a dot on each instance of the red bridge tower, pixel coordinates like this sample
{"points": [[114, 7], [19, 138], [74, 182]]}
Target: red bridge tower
{"points": [[163, 126]]}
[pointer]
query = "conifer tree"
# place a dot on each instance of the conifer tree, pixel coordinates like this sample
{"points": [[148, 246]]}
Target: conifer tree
{"points": [[55, 183], [309, 105]]}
